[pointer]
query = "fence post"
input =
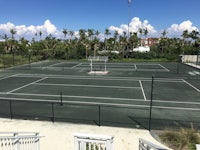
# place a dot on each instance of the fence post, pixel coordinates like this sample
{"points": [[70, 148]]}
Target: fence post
{"points": [[37, 141], [61, 102], [99, 115], [151, 102], [179, 61], [11, 114], [52, 109], [16, 142]]}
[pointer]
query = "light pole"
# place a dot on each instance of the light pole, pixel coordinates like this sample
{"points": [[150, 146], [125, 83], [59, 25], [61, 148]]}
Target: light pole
{"points": [[129, 12], [128, 35]]}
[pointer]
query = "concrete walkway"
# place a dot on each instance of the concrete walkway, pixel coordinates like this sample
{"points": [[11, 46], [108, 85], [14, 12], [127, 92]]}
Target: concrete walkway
{"points": [[59, 136]]}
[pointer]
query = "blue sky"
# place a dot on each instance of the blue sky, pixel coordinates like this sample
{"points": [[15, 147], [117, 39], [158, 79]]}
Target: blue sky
{"points": [[157, 15]]}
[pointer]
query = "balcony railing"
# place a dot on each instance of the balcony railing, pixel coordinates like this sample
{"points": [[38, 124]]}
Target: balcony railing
{"points": [[19, 141], [146, 145], [93, 142]]}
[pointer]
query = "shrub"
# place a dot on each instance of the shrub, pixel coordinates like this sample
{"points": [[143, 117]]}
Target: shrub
{"points": [[183, 139]]}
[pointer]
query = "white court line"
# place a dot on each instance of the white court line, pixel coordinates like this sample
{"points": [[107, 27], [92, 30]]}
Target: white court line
{"points": [[77, 65], [99, 103], [93, 86], [26, 85], [142, 90], [80, 77], [55, 64], [135, 66], [177, 108], [74, 102], [9, 77], [73, 96], [198, 90], [177, 102], [101, 78], [164, 67]]}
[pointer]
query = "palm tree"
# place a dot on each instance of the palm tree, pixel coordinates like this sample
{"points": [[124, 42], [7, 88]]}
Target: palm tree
{"points": [[40, 33], [145, 31], [71, 33], [164, 33], [90, 34], [107, 32], [96, 42], [116, 34], [64, 31], [163, 41], [35, 36], [194, 35], [13, 32], [141, 32], [185, 35], [83, 40]]}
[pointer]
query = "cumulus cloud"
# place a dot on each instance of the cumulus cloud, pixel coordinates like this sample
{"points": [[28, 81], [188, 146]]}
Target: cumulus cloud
{"points": [[134, 26], [177, 29], [29, 31]]}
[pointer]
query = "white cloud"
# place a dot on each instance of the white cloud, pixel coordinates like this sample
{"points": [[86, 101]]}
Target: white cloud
{"points": [[30, 31], [134, 26], [177, 29]]}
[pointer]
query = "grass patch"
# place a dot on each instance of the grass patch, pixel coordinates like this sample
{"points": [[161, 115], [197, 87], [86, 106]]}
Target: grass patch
{"points": [[183, 139], [8, 60]]}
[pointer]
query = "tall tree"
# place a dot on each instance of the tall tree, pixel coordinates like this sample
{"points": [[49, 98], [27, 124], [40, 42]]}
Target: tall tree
{"points": [[145, 32], [13, 32], [185, 36], [194, 35], [116, 34], [141, 33], [40, 33], [71, 33], [107, 33], [64, 31], [164, 33]]}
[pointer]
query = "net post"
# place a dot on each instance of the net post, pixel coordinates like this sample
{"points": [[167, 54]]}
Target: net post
{"points": [[151, 102]]}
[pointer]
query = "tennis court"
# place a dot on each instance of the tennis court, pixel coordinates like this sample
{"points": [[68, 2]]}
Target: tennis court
{"points": [[64, 91]]}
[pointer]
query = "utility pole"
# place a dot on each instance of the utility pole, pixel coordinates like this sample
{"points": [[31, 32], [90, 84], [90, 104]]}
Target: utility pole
{"points": [[128, 34]]}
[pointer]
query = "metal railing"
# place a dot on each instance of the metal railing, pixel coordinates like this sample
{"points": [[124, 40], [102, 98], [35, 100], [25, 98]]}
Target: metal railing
{"points": [[93, 142], [19, 141], [146, 145]]}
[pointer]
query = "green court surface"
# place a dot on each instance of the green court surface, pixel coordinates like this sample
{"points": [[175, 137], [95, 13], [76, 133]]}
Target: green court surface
{"points": [[64, 91]]}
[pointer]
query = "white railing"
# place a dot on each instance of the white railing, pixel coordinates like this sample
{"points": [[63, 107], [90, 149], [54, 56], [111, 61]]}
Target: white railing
{"points": [[19, 141], [93, 142], [146, 145], [189, 58]]}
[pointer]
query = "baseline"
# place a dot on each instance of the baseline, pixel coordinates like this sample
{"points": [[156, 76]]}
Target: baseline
{"points": [[81, 85], [74, 96]]}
